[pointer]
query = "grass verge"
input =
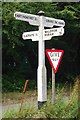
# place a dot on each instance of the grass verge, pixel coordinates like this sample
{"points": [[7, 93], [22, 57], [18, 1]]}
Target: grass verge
{"points": [[62, 108]]}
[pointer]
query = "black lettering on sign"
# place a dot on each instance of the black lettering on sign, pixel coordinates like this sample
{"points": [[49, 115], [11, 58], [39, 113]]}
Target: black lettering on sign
{"points": [[25, 16], [52, 33], [56, 22], [29, 35], [60, 33], [55, 30], [24, 36], [45, 34], [45, 31], [51, 54], [50, 21], [54, 54], [36, 34], [35, 18], [54, 59], [61, 23], [58, 54]]}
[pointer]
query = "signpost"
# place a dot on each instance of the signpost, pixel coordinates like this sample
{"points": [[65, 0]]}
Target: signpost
{"points": [[42, 79], [41, 35]]}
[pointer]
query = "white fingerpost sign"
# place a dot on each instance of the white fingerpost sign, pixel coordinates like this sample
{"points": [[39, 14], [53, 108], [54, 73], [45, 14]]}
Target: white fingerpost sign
{"points": [[33, 35], [32, 19], [47, 34], [41, 35], [50, 22]]}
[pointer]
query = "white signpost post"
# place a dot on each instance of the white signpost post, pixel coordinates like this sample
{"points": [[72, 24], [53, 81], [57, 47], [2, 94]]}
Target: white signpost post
{"points": [[41, 35]]}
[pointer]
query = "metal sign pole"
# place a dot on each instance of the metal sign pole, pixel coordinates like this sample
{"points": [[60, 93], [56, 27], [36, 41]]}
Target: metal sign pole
{"points": [[53, 84], [42, 84], [53, 87]]}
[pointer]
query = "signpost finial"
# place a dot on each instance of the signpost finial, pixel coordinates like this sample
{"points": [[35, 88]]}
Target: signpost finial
{"points": [[41, 12]]}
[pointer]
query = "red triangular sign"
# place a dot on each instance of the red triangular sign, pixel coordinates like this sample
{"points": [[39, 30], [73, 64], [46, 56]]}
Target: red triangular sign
{"points": [[54, 57]]}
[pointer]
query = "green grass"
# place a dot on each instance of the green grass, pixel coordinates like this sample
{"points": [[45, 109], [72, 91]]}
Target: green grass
{"points": [[62, 108], [26, 111]]}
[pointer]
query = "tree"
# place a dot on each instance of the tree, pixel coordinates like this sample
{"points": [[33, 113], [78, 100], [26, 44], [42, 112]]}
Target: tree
{"points": [[15, 49]]}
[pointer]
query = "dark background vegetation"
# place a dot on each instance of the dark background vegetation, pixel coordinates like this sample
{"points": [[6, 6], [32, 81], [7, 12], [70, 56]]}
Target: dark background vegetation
{"points": [[20, 58]]}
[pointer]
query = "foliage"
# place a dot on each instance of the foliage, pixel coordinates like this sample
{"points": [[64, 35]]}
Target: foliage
{"points": [[13, 81], [62, 108], [10, 82], [27, 111], [16, 50]]}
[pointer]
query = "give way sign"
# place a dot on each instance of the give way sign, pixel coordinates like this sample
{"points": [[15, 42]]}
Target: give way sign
{"points": [[54, 57]]}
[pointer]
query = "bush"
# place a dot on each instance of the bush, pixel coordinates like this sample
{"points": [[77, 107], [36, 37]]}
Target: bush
{"points": [[14, 81]]}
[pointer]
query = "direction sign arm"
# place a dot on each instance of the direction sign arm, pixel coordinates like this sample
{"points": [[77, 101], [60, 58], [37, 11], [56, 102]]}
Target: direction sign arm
{"points": [[32, 19], [50, 22]]}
